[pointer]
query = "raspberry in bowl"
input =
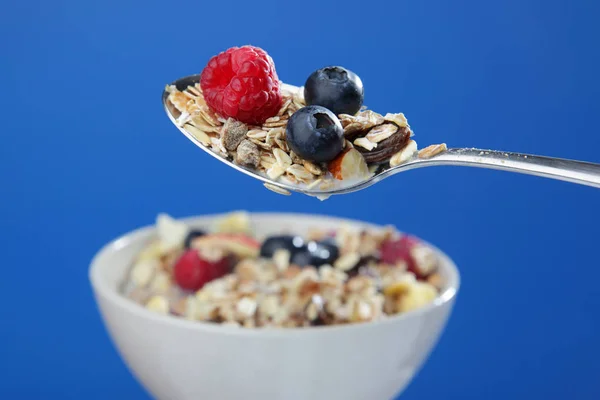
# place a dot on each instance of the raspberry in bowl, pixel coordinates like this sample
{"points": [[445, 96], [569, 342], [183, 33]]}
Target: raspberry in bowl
{"points": [[269, 302], [314, 138]]}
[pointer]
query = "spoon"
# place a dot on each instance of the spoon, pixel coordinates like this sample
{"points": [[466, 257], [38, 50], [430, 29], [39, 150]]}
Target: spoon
{"points": [[581, 172]]}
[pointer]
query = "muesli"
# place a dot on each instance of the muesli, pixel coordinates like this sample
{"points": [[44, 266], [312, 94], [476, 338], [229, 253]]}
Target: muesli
{"points": [[315, 135], [230, 276]]}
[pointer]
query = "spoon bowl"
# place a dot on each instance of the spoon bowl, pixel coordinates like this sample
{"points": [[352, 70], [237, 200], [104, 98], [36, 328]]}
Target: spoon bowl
{"points": [[580, 172]]}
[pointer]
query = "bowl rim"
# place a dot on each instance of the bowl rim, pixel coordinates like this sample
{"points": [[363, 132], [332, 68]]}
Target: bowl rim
{"points": [[111, 295]]}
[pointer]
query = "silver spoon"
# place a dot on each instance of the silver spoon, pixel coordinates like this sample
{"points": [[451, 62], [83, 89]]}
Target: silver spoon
{"points": [[584, 173]]}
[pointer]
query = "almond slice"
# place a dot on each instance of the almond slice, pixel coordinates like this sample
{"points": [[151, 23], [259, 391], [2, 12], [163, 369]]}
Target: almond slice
{"points": [[404, 155], [348, 165]]}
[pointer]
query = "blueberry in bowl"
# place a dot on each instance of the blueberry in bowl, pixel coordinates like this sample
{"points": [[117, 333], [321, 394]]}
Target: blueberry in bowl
{"points": [[291, 243], [317, 253]]}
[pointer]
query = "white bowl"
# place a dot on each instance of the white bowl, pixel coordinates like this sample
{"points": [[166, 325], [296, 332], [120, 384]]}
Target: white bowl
{"points": [[176, 359]]}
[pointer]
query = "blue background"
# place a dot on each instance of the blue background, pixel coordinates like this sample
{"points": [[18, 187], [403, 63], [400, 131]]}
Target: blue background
{"points": [[86, 153]]}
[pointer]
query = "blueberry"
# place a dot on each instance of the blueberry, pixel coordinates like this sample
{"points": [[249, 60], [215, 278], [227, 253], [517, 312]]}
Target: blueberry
{"points": [[335, 88], [293, 244], [194, 233], [315, 133], [302, 258], [325, 250], [316, 254]]}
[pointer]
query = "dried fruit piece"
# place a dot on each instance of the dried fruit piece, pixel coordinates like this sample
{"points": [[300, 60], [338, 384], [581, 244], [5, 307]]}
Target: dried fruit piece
{"points": [[388, 147], [248, 154], [348, 165], [232, 134], [419, 295]]}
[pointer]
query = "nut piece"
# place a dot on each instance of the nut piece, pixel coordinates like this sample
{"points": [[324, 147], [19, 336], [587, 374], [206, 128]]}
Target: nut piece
{"points": [[404, 155], [233, 133], [432, 150], [362, 122], [248, 154], [349, 164], [365, 143], [399, 119], [381, 132]]}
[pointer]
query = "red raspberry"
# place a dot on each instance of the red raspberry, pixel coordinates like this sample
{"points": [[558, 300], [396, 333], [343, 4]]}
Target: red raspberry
{"points": [[191, 272], [393, 251], [241, 83]]}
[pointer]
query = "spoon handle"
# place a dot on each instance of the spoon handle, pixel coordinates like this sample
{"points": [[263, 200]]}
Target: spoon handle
{"points": [[584, 173]]}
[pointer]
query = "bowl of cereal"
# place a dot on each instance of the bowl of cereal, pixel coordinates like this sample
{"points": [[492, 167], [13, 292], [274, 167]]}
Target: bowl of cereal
{"points": [[273, 306]]}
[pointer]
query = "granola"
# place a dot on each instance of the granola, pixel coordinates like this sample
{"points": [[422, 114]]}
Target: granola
{"points": [[329, 277], [263, 123]]}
